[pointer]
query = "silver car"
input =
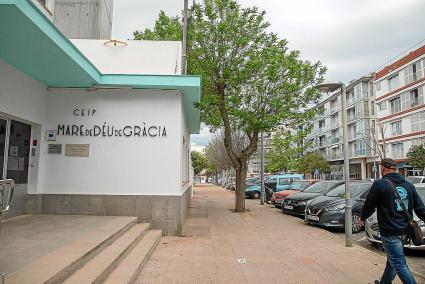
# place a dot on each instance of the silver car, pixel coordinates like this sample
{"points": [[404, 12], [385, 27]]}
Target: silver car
{"points": [[372, 228]]}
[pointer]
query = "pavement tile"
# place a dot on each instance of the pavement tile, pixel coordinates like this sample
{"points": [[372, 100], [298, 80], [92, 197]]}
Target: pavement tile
{"points": [[277, 248]]}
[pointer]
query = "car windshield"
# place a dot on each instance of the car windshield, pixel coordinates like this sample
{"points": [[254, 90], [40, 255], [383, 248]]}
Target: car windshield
{"points": [[421, 192], [414, 180], [355, 189], [300, 185], [321, 187]]}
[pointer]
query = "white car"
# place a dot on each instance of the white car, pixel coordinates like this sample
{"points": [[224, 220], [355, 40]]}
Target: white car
{"points": [[416, 180], [372, 228]]}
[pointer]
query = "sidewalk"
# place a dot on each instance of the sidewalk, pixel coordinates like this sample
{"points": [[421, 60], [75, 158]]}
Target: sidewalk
{"points": [[277, 248]]}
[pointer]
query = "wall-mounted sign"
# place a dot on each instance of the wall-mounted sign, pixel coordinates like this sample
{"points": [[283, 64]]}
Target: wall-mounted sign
{"points": [[106, 130], [77, 150], [54, 149]]}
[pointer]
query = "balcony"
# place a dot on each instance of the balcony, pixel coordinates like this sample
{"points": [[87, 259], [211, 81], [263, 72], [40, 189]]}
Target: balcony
{"points": [[336, 156], [335, 140]]}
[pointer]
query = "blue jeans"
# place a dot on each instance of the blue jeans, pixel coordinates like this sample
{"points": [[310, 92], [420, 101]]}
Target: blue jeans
{"points": [[396, 261]]}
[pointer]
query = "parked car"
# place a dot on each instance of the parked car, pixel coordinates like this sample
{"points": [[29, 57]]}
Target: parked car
{"points": [[274, 182], [296, 203], [416, 179], [295, 187], [328, 210], [251, 181], [372, 227]]}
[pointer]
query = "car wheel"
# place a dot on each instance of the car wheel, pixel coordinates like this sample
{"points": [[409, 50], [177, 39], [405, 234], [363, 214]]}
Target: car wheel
{"points": [[255, 195], [356, 226]]}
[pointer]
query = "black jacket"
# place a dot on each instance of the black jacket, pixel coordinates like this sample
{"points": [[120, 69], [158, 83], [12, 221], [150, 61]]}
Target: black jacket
{"points": [[391, 219]]}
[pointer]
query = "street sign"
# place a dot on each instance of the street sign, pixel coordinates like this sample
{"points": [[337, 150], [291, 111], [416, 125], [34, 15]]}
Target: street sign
{"points": [[374, 169]]}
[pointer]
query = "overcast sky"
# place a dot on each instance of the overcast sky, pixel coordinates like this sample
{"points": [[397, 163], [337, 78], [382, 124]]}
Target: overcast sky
{"points": [[350, 37]]}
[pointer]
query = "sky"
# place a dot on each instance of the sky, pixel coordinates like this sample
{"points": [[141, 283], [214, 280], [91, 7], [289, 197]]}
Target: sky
{"points": [[351, 38]]}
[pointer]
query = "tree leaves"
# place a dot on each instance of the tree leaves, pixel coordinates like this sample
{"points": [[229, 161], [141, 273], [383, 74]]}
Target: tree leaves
{"points": [[416, 156]]}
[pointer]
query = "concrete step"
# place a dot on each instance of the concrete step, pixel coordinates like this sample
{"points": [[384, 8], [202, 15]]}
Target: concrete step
{"points": [[131, 266], [58, 265], [99, 268]]}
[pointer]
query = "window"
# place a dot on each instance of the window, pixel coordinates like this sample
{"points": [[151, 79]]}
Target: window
{"points": [[418, 141], [372, 108], [284, 181], [414, 97], [398, 150], [358, 91], [405, 100], [382, 105], [412, 72], [395, 105], [360, 147], [396, 128], [393, 83], [378, 86], [418, 121]]}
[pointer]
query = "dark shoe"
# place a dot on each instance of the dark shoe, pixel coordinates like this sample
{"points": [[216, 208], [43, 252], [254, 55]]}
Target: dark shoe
{"points": [[377, 282]]}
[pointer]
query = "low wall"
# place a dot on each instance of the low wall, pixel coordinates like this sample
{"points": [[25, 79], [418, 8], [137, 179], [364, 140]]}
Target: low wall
{"points": [[163, 212]]}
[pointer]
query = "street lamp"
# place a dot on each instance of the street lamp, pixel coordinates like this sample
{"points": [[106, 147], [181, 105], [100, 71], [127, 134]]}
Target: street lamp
{"points": [[330, 87]]}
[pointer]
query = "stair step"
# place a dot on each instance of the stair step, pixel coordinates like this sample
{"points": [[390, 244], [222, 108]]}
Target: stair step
{"points": [[131, 266], [99, 268], [58, 265]]}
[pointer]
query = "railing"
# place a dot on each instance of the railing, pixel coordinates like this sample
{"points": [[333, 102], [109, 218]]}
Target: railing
{"points": [[7, 188], [401, 55]]}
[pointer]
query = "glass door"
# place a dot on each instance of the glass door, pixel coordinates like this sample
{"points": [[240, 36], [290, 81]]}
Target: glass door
{"points": [[3, 128]]}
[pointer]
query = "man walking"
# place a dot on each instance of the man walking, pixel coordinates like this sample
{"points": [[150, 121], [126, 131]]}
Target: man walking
{"points": [[393, 225]]}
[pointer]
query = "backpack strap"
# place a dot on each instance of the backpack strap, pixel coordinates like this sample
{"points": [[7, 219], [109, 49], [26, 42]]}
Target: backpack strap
{"points": [[400, 201]]}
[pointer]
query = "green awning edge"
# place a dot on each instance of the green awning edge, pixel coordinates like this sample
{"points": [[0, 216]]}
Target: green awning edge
{"points": [[30, 42]]}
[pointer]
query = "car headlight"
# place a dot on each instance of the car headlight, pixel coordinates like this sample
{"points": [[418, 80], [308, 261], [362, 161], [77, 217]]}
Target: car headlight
{"points": [[339, 207], [302, 203], [421, 223]]}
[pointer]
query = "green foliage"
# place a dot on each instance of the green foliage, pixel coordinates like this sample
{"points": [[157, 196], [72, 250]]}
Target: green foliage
{"points": [[287, 149], [251, 81], [312, 161], [416, 156], [199, 162], [166, 28]]}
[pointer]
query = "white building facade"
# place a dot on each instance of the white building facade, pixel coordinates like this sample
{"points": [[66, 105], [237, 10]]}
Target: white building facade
{"points": [[400, 89], [326, 136], [85, 128]]}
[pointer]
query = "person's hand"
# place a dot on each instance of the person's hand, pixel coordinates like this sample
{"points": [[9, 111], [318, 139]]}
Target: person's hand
{"points": [[361, 222]]}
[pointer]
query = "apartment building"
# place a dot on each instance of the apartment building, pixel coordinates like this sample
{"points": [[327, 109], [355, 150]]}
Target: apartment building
{"points": [[399, 89], [327, 133]]}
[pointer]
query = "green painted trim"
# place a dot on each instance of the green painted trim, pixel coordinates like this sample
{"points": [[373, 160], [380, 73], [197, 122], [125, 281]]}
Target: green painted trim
{"points": [[52, 59]]}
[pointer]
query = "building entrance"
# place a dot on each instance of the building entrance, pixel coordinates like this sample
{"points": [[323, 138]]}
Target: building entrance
{"points": [[15, 140]]}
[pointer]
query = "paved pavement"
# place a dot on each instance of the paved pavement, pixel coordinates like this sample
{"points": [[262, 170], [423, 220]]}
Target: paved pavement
{"points": [[261, 246]]}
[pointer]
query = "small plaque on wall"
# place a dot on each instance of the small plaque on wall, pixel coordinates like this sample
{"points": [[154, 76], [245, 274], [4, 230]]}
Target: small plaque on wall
{"points": [[77, 150], [55, 149]]}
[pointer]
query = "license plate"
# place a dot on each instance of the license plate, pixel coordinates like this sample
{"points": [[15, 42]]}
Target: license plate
{"points": [[314, 218], [288, 207]]}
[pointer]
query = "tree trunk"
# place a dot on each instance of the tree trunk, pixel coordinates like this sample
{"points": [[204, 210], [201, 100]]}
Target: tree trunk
{"points": [[240, 188]]}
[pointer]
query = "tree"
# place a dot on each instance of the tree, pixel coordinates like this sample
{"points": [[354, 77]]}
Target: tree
{"points": [[199, 162], [251, 81], [166, 28], [287, 148], [312, 161], [416, 157]]}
